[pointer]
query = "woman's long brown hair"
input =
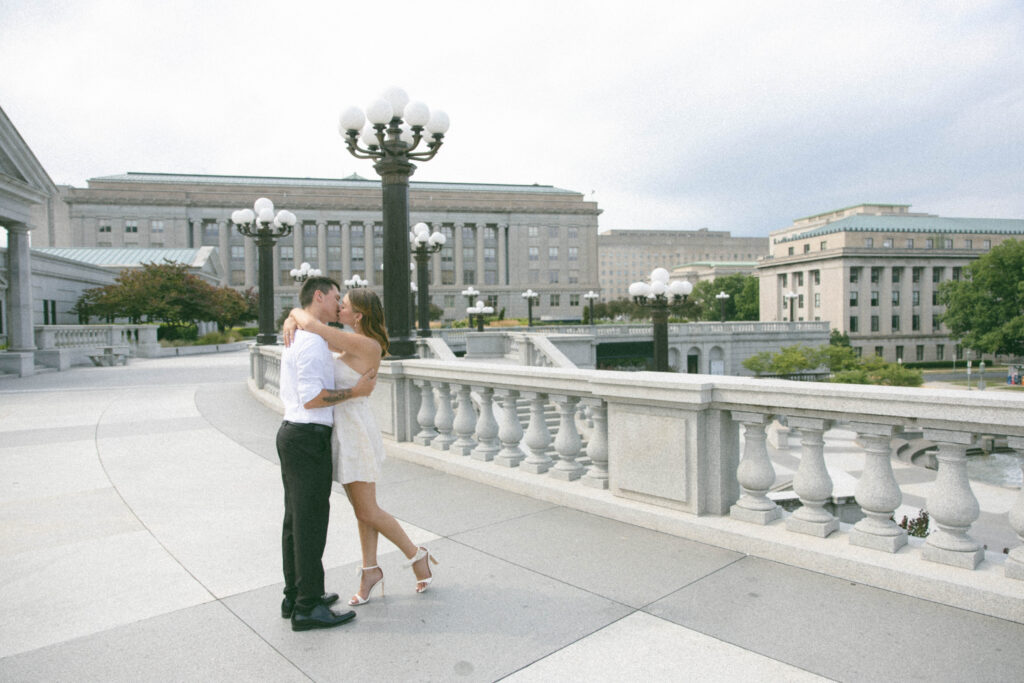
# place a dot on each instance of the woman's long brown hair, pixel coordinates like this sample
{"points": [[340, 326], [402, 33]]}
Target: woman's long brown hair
{"points": [[365, 301]]}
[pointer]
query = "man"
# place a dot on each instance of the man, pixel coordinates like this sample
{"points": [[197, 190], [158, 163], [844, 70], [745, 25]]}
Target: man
{"points": [[304, 448]]}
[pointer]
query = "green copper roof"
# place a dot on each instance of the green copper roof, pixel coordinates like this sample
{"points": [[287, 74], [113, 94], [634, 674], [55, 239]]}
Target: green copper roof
{"points": [[124, 258], [918, 224]]}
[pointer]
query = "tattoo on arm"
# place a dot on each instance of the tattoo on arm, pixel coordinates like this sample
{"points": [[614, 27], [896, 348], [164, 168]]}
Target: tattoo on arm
{"points": [[337, 396]]}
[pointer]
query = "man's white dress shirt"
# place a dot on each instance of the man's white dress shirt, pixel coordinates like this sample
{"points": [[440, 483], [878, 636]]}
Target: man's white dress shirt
{"points": [[307, 368]]}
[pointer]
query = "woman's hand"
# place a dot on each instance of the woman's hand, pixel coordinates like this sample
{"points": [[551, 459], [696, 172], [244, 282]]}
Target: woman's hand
{"points": [[302, 318], [288, 331]]}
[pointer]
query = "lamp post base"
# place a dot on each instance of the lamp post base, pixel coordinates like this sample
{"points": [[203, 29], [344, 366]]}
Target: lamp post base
{"points": [[268, 338], [402, 348]]}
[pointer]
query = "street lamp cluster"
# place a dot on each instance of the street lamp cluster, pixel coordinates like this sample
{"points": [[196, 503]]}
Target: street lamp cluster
{"points": [[479, 310], [530, 296], [424, 243], [658, 295], [304, 272], [389, 132], [265, 228]]}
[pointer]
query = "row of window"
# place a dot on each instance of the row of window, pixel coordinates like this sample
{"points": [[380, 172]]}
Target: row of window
{"points": [[916, 273], [133, 227], [908, 243], [915, 298], [940, 352], [895, 323]]}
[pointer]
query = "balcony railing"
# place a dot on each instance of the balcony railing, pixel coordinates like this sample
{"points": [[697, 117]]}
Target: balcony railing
{"points": [[696, 444]]}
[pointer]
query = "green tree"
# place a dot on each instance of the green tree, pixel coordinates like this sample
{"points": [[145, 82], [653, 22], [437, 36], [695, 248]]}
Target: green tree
{"points": [[228, 308], [837, 338], [743, 302], [985, 309]]}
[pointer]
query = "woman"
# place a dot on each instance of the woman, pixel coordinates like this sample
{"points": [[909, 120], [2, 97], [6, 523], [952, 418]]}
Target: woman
{"points": [[356, 443]]}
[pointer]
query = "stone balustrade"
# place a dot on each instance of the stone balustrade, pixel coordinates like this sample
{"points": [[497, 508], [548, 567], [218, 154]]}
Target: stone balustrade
{"points": [[61, 346], [696, 444]]}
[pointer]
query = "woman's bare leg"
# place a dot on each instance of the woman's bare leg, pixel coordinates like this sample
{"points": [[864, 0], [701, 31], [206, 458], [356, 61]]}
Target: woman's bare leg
{"points": [[373, 520]]}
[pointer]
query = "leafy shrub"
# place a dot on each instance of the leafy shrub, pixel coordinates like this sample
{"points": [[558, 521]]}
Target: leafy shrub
{"points": [[212, 338]]}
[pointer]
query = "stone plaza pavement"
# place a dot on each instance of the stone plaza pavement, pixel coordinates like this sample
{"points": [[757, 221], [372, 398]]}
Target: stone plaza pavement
{"points": [[140, 511]]}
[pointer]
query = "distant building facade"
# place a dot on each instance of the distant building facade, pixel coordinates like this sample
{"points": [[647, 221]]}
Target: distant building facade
{"points": [[501, 239], [873, 271], [627, 256]]}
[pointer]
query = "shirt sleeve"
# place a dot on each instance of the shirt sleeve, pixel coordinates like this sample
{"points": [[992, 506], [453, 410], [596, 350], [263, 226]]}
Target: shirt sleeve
{"points": [[309, 371]]}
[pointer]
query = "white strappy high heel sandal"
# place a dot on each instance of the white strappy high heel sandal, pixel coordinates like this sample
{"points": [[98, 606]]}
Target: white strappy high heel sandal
{"points": [[358, 599], [422, 552]]}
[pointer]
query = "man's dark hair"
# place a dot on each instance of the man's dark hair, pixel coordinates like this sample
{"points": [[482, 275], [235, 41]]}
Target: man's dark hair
{"points": [[313, 284]]}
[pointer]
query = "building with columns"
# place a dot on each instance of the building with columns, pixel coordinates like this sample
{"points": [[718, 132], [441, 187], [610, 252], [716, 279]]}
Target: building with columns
{"points": [[501, 239], [873, 272], [627, 256]]}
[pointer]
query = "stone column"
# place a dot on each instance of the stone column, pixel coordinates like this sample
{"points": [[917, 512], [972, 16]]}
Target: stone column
{"points": [[755, 472], [21, 333], [567, 440], [951, 504], [444, 418], [298, 241], [877, 492], [597, 447], [486, 426], [1014, 567], [812, 482], [479, 235], [510, 432], [538, 436], [224, 247], [465, 422], [369, 262], [250, 261], [425, 416], [457, 229], [500, 255], [197, 233], [346, 251], [321, 247]]}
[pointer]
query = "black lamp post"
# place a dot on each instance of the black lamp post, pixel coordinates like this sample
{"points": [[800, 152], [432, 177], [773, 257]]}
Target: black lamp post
{"points": [[470, 293], [396, 128], [530, 297], [591, 297], [265, 228], [722, 298], [480, 310], [791, 298], [423, 244], [658, 296]]}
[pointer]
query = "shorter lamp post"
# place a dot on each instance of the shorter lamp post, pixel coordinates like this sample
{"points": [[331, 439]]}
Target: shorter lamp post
{"points": [[471, 294], [591, 297], [658, 296], [304, 272], [265, 228], [355, 282], [423, 244], [479, 311], [722, 297], [791, 298], [530, 297]]}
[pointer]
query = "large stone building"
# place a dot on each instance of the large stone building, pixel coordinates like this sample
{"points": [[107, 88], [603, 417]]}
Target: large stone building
{"points": [[627, 256], [501, 239], [873, 272]]}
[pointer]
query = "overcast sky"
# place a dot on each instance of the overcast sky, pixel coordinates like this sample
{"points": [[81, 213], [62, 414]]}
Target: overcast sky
{"points": [[736, 116]]}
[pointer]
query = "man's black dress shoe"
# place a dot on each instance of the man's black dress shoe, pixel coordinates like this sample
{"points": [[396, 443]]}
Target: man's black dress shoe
{"points": [[320, 616], [288, 605]]}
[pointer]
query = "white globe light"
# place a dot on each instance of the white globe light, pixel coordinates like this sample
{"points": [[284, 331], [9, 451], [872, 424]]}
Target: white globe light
{"points": [[438, 238], [639, 289], [247, 216], [266, 215], [286, 218], [406, 135], [416, 114], [438, 123], [397, 98], [659, 275], [369, 137], [658, 288], [293, 272], [680, 288], [379, 111], [352, 118], [420, 228], [235, 217], [304, 266], [262, 203]]}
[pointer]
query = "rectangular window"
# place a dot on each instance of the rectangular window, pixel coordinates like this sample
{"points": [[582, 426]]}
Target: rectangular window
{"points": [[915, 298], [947, 244], [916, 273], [800, 301], [469, 277], [874, 323], [817, 299], [823, 245], [935, 298], [986, 244], [915, 322], [210, 229], [286, 253], [555, 300], [237, 253], [899, 353], [553, 231], [968, 244], [799, 277], [490, 255], [816, 277], [552, 276], [132, 226], [853, 298], [574, 299], [309, 230], [937, 274], [959, 352], [876, 275], [895, 297], [533, 253], [533, 277], [573, 233], [449, 300], [929, 243], [552, 253], [897, 274], [853, 323], [858, 351], [574, 253], [492, 301], [807, 248], [874, 298], [854, 275], [869, 241], [956, 273], [532, 231], [333, 255], [936, 323], [104, 228], [783, 280], [790, 252], [880, 351], [910, 243], [358, 258], [940, 352], [574, 277], [156, 226], [895, 323], [887, 243], [309, 254], [237, 278]]}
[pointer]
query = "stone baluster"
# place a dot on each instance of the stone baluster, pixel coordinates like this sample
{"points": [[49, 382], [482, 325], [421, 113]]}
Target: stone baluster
{"points": [[811, 482], [486, 426], [755, 472], [877, 492], [425, 416], [952, 507], [597, 446], [465, 422], [444, 418], [510, 432], [538, 437], [567, 440], [1014, 567]]}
